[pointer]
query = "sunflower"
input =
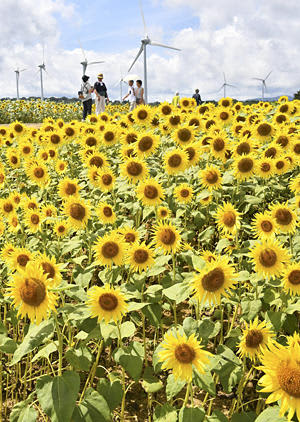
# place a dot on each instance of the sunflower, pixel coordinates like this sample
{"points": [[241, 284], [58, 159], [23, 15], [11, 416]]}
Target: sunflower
{"points": [[77, 211], [208, 256], [129, 137], [19, 258], [90, 140], [265, 168], [163, 213], [68, 188], [134, 169], [284, 216], [110, 249], [106, 303], [7, 252], [269, 258], [97, 159], [175, 161], [295, 149], [283, 139], [193, 153], [29, 203], [146, 144], [291, 279], [33, 220], [150, 192], [255, 338], [227, 218], [69, 132], [13, 158], [61, 228], [219, 145], [142, 114], [110, 135], [225, 102], [50, 268], [214, 281], [182, 354], [106, 213], [18, 129], [264, 226], [167, 237], [165, 109], [245, 146], [184, 135], [26, 148], [129, 234], [173, 121], [37, 173], [294, 185], [244, 167], [127, 151], [48, 211], [224, 116], [184, 193], [186, 102], [282, 378], [140, 257], [13, 223], [211, 178], [7, 207], [281, 165], [61, 166], [30, 293]]}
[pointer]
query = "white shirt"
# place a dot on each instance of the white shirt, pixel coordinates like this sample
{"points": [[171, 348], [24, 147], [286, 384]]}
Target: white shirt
{"points": [[131, 96], [85, 88]]}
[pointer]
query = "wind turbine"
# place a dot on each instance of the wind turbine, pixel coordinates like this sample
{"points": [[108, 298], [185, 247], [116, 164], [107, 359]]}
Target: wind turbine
{"points": [[18, 71], [144, 42], [85, 62], [42, 68], [120, 81], [263, 84], [224, 85]]}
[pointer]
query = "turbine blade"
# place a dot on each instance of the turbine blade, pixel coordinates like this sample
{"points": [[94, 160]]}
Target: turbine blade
{"points": [[163, 45], [224, 77], [143, 18], [220, 88], [138, 55], [233, 86], [268, 75], [22, 70], [95, 62], [83, 53], [257, 79], [43, 53]]}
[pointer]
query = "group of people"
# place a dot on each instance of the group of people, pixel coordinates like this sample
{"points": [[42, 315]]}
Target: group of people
{"points": [[196, 96], [135, 95]]}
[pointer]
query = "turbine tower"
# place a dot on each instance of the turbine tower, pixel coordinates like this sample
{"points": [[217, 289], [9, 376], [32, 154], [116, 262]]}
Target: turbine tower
{"points": [[225, 84], [18, 71], [42, 68], [263, 85], [85, 62], [144, 42]]}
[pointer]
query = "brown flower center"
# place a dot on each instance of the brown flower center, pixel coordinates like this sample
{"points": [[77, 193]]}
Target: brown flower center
{"points": [[174, 120], [110, 250], [283, 216], [289, 380], [163, 213], [145, 143], [18, 128], [108, 301], [77, 211], [91, 141], [96, 161], [70, 131], [297, 148], [35, 219], [225, 103], [49, 213], [209, 123], [194, 122], [134, 168], [213, 280], [106, 179], [224, 115], [140, 256], [245, 165], [107, 211], [282, 140], [33, 292], [203, 109], [150, 192], [265, 167], [294, 277], [167, 237], [212, 177], [281, 118], [131, 138], [155, 121], [61, 229], [191, 153], [70, 189], [268, 258], [243, 148], [26, 150], [55, 139], [284, 108], [254, 338], [218, 144], [39, 172], [22, 260], [109, 136], [184, 135], [229, 218], [129, 237], [48, 269], [8, 207], [14, 159], [175, 160], [264, 129], [184, 353], [279, 165], [184, 193], [32, 206], [166, 110], [142, 114], [266, 226]]}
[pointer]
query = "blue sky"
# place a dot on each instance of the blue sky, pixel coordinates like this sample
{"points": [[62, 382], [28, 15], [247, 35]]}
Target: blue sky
{"points": [[243, 39]]}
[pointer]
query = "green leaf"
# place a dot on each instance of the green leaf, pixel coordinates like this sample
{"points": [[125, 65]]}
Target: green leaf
{"points": [[22, 413], [35, 336], [94, 408], [174, 386], [205, 382], [131, 358], [112, 392], [217, 416], [151, 384], [250, 309], [80, 358], [276, 319], [153, 312], [244, 417], [191, 414], [271, 414], [189, 326], [198, 263], [178, 292], [165, 413], [222, 244], [57, 396], [7, 344], [45, 351], [136, 306], [208, 328]]}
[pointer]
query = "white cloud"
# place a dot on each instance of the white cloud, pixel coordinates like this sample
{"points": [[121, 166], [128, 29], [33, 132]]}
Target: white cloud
{"points": [[243, 39]]}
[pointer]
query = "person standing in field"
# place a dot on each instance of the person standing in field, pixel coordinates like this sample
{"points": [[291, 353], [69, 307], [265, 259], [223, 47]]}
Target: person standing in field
{"points": [[175, 101], [131, 96], [139, 93], [86, 97], [197, 97], [101, 94]]}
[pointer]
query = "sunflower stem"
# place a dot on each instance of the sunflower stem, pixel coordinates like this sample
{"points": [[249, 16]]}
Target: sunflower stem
{"points": [[60, 345], [187, 394], [291, 244]]}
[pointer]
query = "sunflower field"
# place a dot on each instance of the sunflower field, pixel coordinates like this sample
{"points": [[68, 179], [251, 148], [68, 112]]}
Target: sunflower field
{"points": [[150, 265]]}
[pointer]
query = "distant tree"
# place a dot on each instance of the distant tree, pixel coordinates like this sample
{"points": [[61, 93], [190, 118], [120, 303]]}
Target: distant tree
{"points": [[297, 95]]}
